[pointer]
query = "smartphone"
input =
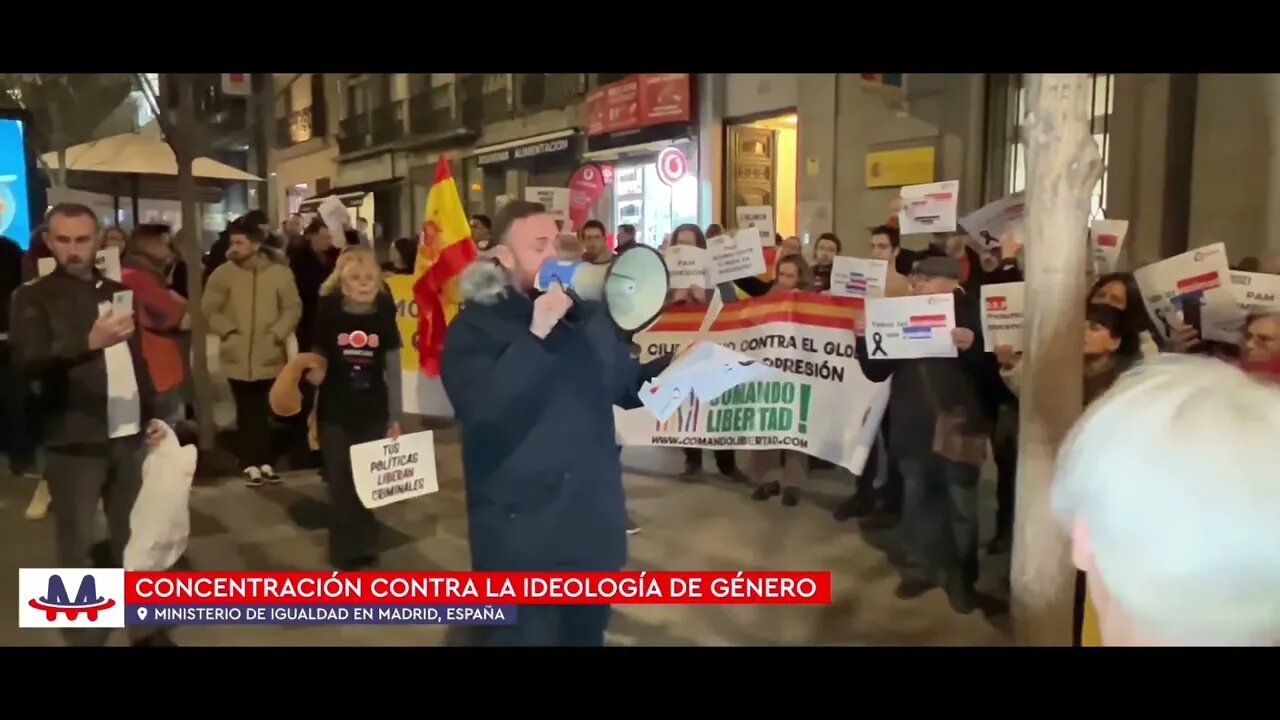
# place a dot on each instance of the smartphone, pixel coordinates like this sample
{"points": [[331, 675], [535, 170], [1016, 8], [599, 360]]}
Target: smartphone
{"points": [[122, 302]]}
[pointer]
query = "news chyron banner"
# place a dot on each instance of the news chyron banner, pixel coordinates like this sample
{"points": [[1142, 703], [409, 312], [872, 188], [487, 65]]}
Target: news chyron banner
{"points": [[71, 598], [825, 408]]}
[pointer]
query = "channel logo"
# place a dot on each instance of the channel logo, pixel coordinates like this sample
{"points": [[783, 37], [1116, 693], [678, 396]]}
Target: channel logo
{"points": [[70, 598]]}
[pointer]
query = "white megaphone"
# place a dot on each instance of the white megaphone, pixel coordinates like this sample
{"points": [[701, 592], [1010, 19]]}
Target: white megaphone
{"points": [[633, 287]]}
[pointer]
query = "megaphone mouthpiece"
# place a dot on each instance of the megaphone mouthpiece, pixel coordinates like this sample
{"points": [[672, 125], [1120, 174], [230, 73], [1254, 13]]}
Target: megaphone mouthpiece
{"points": [[633, 287]]}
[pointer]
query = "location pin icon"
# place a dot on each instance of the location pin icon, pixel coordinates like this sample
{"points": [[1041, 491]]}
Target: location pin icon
{"points": [[142, 613]]}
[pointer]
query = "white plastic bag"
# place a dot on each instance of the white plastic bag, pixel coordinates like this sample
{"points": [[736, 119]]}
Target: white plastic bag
{"points": [[160, 521]]}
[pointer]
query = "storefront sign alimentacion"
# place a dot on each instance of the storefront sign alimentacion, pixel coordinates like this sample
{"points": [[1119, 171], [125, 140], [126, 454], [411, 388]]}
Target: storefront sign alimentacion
{"points": [[524, 152]]}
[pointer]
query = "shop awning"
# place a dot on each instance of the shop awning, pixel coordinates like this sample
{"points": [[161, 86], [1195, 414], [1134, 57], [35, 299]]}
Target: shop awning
{"points": [[618, 153], [350, 195], [351, 199], [525, 141], [557, 142]]}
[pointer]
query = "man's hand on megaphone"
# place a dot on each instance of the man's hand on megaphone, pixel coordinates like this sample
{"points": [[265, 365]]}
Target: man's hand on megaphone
{"points": [[548, 309]]}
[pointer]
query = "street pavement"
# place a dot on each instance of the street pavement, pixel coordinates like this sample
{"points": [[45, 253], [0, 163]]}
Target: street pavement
{"points": [[707, 525]]}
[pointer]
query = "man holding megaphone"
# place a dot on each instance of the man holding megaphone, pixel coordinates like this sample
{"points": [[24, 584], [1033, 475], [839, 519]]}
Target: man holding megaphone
{"points": [[533, 371]]}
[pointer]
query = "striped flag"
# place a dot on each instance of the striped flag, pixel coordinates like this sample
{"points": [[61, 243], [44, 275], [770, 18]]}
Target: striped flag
{"points": [[444, 250]]}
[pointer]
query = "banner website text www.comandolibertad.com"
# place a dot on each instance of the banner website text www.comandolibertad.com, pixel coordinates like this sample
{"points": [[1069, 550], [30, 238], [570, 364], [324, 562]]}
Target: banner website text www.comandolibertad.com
{"points": [[734, 440]]}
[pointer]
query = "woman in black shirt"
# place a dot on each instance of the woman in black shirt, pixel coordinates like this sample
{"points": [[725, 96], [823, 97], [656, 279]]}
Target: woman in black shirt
{"points": [[359, 398]]}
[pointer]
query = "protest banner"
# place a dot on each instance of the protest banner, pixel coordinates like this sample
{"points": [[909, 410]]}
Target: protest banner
{"points": [[824, 407], [929, 208], [1256, 292], [986, 225], [1195, 283], [421, 395], [687, 266], [735, 257], [917, 326], [389, 471], [1106, 237], [1002, 308], [759, 217], [707, 370], [858, 277]]}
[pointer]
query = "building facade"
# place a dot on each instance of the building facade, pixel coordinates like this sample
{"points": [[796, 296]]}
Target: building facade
{"points": [[1188, 158], [304, 150]]}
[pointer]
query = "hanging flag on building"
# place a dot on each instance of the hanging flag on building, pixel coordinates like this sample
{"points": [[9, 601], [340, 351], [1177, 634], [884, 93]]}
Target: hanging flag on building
{"points": [[445, 248]]}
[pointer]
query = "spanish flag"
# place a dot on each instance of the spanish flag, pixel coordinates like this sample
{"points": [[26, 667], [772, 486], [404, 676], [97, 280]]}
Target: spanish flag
{"points": [[444, 250]]}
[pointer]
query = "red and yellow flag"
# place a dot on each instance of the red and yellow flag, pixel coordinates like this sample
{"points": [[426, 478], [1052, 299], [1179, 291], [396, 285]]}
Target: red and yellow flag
{"points": [[444, 250]]}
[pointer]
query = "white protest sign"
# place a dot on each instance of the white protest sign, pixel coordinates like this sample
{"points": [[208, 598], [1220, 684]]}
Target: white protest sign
{"points": [[554, 199], [986, 225], [1106, 237], [688, 266], [1199, 276], [707, 370], [759, 217], [929, 208], [819, 403], [1002, 310], [335, 217], [107, 261], [736, 257], [388, 471], [858, 277], [917, 326], [1256, 292]]}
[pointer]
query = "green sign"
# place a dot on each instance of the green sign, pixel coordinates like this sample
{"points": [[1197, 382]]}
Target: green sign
{"points": [[764, 406]]}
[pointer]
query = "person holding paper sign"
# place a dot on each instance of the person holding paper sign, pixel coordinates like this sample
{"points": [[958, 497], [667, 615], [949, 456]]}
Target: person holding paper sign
{"points": [[938, 439], [1110, 348], [726, 460], [359, 399], [1120, 291], [533, 378]]}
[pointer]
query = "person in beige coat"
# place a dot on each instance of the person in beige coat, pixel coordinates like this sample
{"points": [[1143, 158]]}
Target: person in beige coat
{"points": [[252, 305]]}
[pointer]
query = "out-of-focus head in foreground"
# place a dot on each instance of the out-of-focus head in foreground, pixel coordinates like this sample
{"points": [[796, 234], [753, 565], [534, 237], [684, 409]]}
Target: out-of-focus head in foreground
{"points": [[1169, 488]]}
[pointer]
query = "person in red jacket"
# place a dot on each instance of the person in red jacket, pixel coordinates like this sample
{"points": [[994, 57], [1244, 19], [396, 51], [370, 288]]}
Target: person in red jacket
{"points": [[160, 315]]}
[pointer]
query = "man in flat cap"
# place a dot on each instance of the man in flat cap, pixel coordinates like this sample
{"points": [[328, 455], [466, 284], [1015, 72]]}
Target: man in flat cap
{"points": [[938, 440]]}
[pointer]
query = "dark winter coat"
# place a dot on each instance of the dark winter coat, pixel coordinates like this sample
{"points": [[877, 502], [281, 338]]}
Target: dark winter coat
{"points": [[540, 456], [51, 319]]}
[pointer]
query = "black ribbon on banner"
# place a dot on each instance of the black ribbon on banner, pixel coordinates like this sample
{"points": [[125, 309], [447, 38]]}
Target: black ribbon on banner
{"points": [[878, 339]]}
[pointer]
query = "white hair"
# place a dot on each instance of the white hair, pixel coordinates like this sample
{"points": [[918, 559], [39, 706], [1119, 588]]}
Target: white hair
{"points": [[1175, 473]]}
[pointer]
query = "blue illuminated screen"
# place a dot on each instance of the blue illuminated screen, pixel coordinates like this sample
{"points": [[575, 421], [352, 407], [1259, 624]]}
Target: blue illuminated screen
{"points": [[15, 204]]}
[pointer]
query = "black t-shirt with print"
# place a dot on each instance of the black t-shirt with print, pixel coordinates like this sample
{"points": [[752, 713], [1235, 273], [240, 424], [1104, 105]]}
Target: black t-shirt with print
{"points": [[358, 347]]}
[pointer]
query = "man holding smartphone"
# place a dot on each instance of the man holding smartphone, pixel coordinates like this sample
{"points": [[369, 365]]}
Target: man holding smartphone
{"points": [[72, 331]]}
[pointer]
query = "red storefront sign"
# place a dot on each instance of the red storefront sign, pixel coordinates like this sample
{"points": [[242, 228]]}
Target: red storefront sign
{"points": [[585, 188], [639, 101]]}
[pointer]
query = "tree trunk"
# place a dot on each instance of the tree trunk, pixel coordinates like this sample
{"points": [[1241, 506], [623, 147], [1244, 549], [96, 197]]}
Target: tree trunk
{"points": [[56, 134], [184, 150], [1063, 165]]}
